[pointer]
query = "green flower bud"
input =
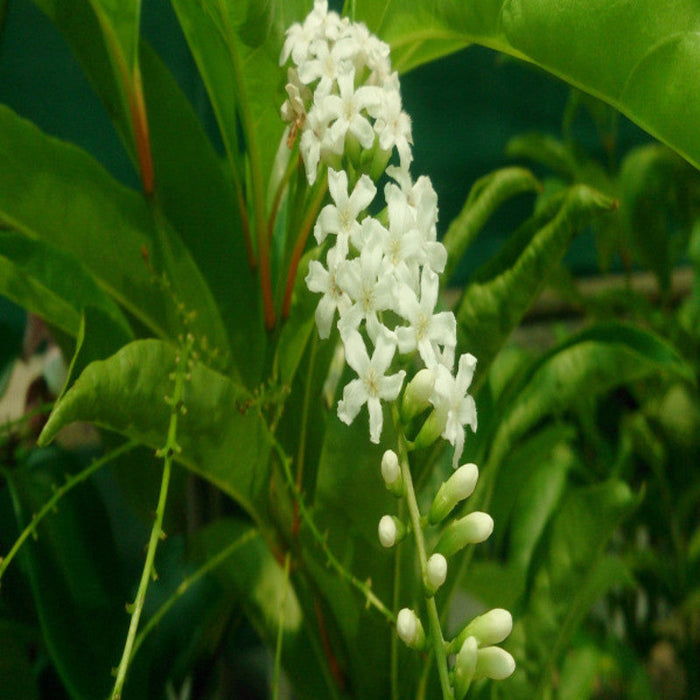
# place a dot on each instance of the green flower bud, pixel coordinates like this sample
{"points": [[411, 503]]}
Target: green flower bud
{"points": [[435, 574], [410, 629], [391, 531], [391, 473], [472, 529], [494, 663], [488, 629], [417, 394], [431, 430], [459, 486], [465, 667]]}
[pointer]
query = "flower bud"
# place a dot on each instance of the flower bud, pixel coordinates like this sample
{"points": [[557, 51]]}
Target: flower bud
{"points": [[410, 629], [431, 430], [391, 531], [417, 394], [465, 666], [459, 486], [436, 573], [472, 529], [494, 663], [488, 629], [391, 473]]}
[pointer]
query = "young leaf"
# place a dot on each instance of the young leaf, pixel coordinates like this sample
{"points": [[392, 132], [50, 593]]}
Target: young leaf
{"points": [[590, 362], [503, 290], [486, 195], [222, 435]]}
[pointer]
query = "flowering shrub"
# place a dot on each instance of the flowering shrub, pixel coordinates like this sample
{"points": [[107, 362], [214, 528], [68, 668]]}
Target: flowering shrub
{"points": [[259, 337]]}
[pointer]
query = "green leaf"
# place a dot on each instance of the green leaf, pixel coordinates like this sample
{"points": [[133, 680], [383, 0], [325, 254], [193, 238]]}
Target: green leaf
{"points": [[81, 29], [503, 289], [640, 56], [51, 283], [576, 569], [237, 47], [252, 576], [485, 196], [73, 572], [222, 435], [650, 178], [56, 192], [200, 203], [589, 363]]}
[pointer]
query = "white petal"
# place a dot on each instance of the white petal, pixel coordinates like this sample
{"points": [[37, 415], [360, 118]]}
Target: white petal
{"points": [[354, 396], [355, 352], [376, 418]]}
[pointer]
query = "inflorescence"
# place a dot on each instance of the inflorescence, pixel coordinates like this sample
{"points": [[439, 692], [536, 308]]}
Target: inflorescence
{"points": [[379, 278]]}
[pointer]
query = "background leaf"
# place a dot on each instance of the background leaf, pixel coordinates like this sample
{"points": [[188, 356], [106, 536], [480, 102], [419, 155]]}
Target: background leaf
{"points": [[640, 56], [494, 303]]}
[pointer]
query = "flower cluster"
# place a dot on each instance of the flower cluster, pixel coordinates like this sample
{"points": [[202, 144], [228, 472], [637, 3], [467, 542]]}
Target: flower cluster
{"points": [[380, 274], [341, 92], [378, 279]]}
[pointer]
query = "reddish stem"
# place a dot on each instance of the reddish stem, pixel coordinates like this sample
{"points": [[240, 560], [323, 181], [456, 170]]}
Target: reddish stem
{"points": [[299, 247]]}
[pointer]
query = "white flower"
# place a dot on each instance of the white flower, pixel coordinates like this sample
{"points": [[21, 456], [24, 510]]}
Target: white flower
{"points": [[340, 218], [326, 65], [371, 385], [300, 36], [454, 404], [394, 127], [322, 280], [347, 108], [317, 141], [427, 329], [370, 291]]}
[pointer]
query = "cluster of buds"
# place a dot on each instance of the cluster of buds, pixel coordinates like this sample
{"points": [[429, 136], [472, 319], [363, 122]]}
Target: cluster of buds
{"points": [[377, 274], [477, 655]]}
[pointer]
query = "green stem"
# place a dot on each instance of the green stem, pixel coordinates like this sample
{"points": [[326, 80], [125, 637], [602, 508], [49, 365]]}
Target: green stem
{"points": [[300, 244], [50, 505], [363, 587], [435, 629], [170, 449], [188, 582], [148, 571]]}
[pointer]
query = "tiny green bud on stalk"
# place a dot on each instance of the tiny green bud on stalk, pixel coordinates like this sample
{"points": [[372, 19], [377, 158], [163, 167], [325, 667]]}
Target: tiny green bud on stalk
{"points": [[472, 529], [494, 663], [391, 531], [488, 629], [465, 667], [417, 394], [459, 486], [436, 573], [410, 629]]}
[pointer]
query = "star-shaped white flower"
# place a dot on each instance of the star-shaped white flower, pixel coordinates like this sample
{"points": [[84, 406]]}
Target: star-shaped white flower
{"points": [[320, 279], [371, 291], [394, 127], [317, 141], [340, 218], [347, 108], [371, 385], [427, 330], [452, 402]]}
